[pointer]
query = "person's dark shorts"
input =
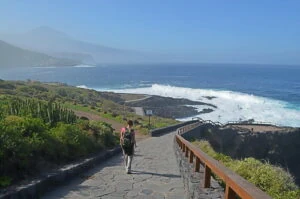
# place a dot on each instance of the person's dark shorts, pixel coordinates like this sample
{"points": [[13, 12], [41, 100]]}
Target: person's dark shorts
{"points": [[128, 150]]}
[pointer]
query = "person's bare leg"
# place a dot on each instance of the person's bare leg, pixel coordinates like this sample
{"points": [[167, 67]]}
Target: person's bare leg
{"points": [[129, 163], [126, 161]]}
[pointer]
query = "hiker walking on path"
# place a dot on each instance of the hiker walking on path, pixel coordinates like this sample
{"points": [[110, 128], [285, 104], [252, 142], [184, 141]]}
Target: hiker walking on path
{"points": [[128, 142]]}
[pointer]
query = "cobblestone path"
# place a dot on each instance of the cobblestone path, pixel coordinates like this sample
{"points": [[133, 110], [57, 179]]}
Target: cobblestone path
{"points": [[155, 174]]}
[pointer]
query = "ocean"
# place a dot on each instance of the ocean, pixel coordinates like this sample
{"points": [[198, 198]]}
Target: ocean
{"points": [[265, 93]]}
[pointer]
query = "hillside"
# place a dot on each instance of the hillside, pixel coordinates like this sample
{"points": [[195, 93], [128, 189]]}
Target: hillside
{"points": [[53, 42], [105, 104], [12, 56]]}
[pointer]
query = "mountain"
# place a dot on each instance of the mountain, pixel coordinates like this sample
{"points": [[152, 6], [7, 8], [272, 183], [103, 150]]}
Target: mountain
{"points": [[80, 57], [12, 56], [53, 42]]}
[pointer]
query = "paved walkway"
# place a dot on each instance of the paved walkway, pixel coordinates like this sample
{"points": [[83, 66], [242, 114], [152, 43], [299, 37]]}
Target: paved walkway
{"points": [[155, 174]]}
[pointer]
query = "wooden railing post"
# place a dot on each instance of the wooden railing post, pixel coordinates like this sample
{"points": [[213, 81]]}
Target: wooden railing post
{"points": [[229, 193], [197, 166], [191, 156], [207, 176], [186, 151], [235, 185]]}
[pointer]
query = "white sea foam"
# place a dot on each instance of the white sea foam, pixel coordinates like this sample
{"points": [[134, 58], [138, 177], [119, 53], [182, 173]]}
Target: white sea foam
{"points": [[231, 106], [44, 67], [83, 86], [84, 66]]}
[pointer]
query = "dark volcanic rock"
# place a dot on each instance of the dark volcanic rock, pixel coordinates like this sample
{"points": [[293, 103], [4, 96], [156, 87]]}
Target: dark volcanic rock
{"points": [[173, 111], [171, 107], [157, 101], [206, 110], [209, 97]]}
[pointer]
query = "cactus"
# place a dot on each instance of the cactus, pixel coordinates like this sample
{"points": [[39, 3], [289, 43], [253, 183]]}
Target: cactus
{"points": [[50, 112]]}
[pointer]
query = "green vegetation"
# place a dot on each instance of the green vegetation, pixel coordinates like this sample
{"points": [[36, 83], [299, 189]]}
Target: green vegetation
{"points": [[39, 129], [50, 112], [272, 179], [27, 143], [36, 134]]}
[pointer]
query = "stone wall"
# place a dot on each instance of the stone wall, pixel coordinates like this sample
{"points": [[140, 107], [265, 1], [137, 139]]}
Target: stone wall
{"points": [[36, 188], [193, 181], [168, 129]]}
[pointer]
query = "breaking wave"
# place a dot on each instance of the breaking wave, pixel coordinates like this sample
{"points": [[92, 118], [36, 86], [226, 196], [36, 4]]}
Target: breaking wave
{"points": [[231, 106]]}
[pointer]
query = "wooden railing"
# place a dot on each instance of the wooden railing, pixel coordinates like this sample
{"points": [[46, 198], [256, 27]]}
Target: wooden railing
{"points": [[235, 122], [251, 123], [235, 184], [188, 127]]}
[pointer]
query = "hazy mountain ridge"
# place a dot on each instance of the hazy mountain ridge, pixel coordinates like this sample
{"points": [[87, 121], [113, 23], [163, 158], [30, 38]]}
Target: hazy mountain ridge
{"points": [[80, 57], [56, 43], [12, 56]]}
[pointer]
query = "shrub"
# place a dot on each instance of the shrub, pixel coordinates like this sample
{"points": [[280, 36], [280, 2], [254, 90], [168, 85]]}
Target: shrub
{"points": [[84, 118], [76, 142], [20, 139], [40, 88], [103, 133], [5, 181], [62, 92], [272, 179], [114, 114], [9, 86]]}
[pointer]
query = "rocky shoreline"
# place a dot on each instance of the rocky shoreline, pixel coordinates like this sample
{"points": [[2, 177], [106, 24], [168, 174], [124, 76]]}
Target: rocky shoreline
{"points": [[170, 107]]}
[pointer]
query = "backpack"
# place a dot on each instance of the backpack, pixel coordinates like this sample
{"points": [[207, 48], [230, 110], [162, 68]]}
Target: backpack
{"points": [[127, 140]]}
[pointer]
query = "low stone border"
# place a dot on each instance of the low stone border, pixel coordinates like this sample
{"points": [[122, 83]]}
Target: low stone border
{"points": [[193, 183], [37, 188], [168, 129]]}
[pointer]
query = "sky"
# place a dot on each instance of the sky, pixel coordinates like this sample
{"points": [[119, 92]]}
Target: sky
{"points": [[253, 31]]}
